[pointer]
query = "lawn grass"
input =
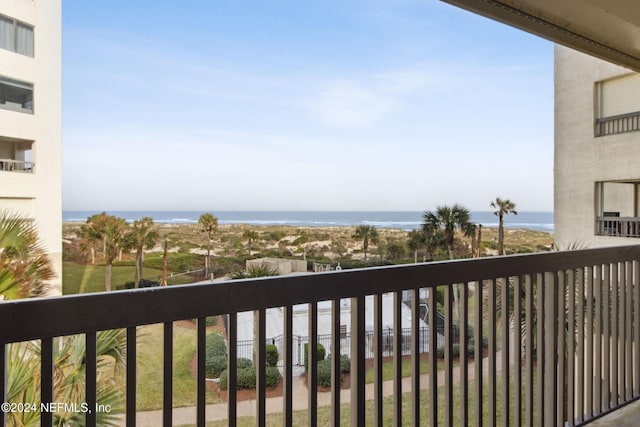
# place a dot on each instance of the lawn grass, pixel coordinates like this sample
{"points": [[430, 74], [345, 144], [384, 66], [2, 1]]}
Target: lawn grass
{"points": [[324, 412], [150, 363], [81, 278]]}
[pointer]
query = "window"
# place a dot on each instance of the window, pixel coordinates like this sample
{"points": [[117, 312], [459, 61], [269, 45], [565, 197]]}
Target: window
{"points": [[618, 105], [16, 36], [16, 95]]}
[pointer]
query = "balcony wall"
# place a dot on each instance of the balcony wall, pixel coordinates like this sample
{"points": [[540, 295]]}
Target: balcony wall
{"points": [[562, 334]]}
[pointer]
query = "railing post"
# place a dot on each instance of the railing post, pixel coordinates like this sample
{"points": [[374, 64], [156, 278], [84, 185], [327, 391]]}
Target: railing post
{"points": [[232, 369], [261, 365], [91, 378], [433, 367], [3, 381], [288, 366], [397, 359], [464, 356], [377, 360], [167, 377], [336, 372], [357, 361], [636, 327], [46, 379], [131, 376], [550, 366], [448, 354], [478, 347], [415, 357], [201, 357], [492, 352], [312, 365]]}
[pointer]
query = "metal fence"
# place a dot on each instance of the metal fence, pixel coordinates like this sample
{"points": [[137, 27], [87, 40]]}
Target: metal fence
{"points": [[245, 347]]}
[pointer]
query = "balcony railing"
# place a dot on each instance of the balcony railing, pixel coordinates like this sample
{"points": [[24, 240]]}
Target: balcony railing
{"points": [[618, 124], [618, 226], [8, 165], [562, 333]]}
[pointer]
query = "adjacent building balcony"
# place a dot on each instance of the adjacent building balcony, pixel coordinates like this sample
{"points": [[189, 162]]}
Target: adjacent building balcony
{"points": [[616, 226], [544, 339], [8, 165], [621, 123]]}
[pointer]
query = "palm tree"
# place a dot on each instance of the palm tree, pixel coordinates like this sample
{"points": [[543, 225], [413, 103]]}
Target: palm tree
{"points": [[111, 230], [416, 240], [24, 265], [366, 233], [447, 220], [209, 224], [251, 236], [142, 235], [504, 207], [23, 366], [91, 235]]}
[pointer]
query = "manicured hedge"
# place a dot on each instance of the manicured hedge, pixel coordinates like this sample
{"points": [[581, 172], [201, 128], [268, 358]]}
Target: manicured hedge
{"points": [[215, 345], [321, 354], [324, 370], [272, 355], [214, 365], [247, 378]]}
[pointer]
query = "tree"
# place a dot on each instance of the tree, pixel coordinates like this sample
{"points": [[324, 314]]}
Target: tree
{"points": [[251, 236], [209, 224], [142, 236], [416, 240], [24, 265], [504, 207], [91, 235], [396, 251], [112, 231], [366, 233], [447, 220]]}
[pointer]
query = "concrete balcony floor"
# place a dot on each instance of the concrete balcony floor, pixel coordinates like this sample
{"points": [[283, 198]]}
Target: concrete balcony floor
{"points": [[629, 416]]}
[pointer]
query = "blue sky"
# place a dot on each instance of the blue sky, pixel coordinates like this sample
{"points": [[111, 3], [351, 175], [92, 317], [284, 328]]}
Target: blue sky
{"points": [[300, 105]]}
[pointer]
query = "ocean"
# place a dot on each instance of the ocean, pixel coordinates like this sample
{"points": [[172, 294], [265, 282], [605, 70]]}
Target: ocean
{"points": [[404, 220]]}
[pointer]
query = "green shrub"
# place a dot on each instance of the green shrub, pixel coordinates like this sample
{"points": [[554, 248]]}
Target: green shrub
{"points": [[324, 373], [214, 365], [321, 354], [272, 355], [345, 364], [211, 321], [244, 363], [247, 377], [215, 345], [272, 377]]}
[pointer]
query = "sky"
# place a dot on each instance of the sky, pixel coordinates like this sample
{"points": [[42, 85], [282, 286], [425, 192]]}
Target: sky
{"points": [[302, 105]]}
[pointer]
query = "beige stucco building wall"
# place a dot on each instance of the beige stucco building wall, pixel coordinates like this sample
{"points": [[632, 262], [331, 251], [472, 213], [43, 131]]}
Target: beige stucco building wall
{"points": [[582, 159], [36, 194]]}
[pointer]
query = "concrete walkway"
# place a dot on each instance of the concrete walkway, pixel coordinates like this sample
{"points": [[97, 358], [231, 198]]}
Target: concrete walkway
{"points": [[218, 411]]}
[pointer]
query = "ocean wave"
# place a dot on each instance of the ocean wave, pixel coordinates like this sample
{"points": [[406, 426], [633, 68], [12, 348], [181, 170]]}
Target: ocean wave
{"points": [[397, 220]]}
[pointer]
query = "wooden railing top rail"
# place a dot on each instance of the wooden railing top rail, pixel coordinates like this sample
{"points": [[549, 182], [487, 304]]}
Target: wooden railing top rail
{"points": [[66, 315]]}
